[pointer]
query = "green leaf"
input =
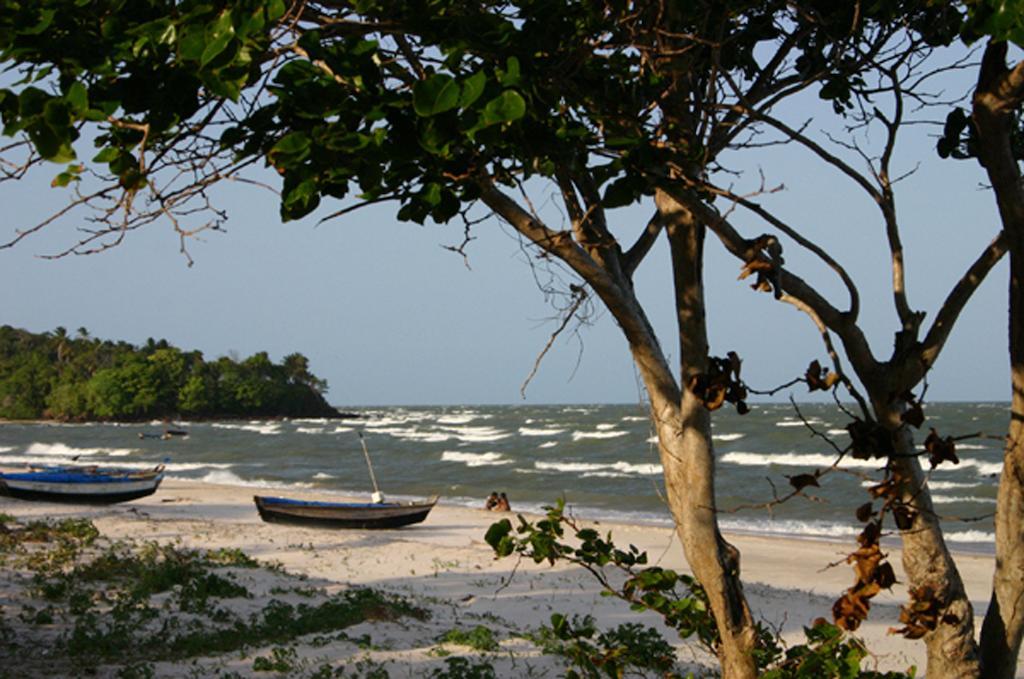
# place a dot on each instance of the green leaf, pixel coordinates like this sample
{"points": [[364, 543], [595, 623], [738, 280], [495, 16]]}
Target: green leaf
{"points": [[106, 155], [77, 97], [192, 44], [275, 9], [300, 200], [472, 88], [431, 193], [218, 35], [510, 76], [436, 94], [291, 149], [66, 177], [45, 19], [505, 108], [497, 534], [623, 191]]}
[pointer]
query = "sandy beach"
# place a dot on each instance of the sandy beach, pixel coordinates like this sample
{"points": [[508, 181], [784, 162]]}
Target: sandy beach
{"points": [[445, 566]]}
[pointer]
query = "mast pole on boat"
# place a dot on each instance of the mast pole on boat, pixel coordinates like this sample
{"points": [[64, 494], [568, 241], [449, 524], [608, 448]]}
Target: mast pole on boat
{"points": [[377, 495]]}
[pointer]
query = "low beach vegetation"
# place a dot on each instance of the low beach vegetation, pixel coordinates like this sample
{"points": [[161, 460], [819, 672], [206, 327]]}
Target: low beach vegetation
{"points": [[54, 375], [91, 601], [479, 638], [681, 601]]}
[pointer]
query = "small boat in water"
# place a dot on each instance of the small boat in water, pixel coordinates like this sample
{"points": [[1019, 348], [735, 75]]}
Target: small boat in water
{"points": [[375, 514], [343, 514], [84, 485]]}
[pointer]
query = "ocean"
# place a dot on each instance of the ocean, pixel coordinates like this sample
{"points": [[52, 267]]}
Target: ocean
{"points": [[601, 458]]}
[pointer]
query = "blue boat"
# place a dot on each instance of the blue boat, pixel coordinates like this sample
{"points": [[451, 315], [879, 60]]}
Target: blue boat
{"points": [[82, 485]]}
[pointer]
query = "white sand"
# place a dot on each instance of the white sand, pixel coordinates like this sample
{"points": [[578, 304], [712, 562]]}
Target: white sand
{"points": [[446, 566]]}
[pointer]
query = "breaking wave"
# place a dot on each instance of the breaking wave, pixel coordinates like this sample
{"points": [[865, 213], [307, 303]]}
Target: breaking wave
{"points": [[537, 431], [475, 459], [264, 428], [578, 435], [796, 460]]}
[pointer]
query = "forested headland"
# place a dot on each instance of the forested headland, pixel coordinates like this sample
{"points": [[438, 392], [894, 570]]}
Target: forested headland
{"points": [[54, 375]]}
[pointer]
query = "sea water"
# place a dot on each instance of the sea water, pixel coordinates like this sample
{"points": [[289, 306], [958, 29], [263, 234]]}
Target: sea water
{"points": [[602, 459]]}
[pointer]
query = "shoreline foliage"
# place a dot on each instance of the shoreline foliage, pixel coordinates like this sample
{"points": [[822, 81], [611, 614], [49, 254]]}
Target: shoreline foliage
{"points": [[55, 376]]}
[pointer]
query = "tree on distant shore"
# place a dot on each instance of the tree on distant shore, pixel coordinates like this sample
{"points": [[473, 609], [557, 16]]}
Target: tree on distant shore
{"points": [[448, 105], [108, 381]]}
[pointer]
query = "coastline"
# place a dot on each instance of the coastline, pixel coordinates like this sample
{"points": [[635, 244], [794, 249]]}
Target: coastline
{"points": [[445, 564]]}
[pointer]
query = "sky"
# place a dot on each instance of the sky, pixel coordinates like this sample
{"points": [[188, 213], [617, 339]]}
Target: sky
{"points": [[389, 317]]}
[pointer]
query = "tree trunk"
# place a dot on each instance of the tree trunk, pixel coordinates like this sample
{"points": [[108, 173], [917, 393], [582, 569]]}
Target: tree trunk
{"points": [[687, 456], [997, 97], [1003, 629], [951, 649], [683, 424]]}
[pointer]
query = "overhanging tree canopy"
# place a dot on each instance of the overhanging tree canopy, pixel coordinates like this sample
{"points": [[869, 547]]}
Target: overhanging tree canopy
{"points": [[447, 104]]}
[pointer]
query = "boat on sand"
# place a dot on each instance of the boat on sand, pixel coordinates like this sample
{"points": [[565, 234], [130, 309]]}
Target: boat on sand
{"points": [[78, 484], [376, 514], [342, 514]]}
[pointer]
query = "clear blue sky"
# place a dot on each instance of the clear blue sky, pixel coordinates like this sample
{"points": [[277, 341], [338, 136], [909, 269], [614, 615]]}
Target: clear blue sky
{"points": [[388, 316]]}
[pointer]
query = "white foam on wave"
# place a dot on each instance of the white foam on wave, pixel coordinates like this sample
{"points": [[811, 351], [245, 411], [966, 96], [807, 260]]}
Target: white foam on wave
{"points": [[391, 419], [181, 466], [727, 437], [597, 469], [971, 446], [793, 527], [475, 459], [458, 418], [309, 430], [606, 475], [645, 469], [605, 426], [950, 499], [570, 466], [796, 460], [423, 436], [837, 432], [947, 485], [537, 431], [226, 478], [651, 439], [548, 444], [577, 435], [478, 434], [64, 450], [635, 418], [310, 420], [797, 423], [970, 536], [322, 475], [982, 467], [342, 430], [398, 432], [264, 428], [168, 466], [6, 449]]}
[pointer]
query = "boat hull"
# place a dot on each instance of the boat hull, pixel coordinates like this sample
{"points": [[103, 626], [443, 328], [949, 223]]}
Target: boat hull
{"points": [[78, 487], [342, 515]]}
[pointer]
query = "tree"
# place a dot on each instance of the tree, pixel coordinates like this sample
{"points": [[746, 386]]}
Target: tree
{"points": [[992, 134], [446, 105]]}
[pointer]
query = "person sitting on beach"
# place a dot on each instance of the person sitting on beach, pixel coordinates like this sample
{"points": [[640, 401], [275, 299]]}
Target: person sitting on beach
{"points": [[492, 500], [502, 505]]}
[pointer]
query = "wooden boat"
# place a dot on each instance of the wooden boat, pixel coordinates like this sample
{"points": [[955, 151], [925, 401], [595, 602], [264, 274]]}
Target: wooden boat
{"points": [[376, 514], [84, 485], [343, 514]]}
